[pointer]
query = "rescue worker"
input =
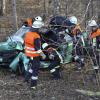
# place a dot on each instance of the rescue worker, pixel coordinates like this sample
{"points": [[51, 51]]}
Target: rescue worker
{"points": [[76, 31], [95, 39], [33, 51], [75, 25], [55, 60]]}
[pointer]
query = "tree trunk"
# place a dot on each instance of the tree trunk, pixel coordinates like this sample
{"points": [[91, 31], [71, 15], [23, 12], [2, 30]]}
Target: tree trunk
{"points": [[66, 1], [56, 7], [2, 7], [14, 14], [98, 11]]}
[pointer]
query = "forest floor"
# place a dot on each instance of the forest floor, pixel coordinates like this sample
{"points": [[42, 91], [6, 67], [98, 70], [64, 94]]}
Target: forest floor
{"points": [[12, 87]]}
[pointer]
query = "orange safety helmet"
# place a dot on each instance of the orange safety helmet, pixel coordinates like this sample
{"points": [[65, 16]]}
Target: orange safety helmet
{"points": [[29, 21]]}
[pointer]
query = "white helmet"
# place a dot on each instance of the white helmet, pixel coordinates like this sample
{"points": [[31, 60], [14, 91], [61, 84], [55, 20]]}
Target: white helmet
{"points": [[37, 24], [92, 23], [45, 45], [38, 18], [73, 20]]}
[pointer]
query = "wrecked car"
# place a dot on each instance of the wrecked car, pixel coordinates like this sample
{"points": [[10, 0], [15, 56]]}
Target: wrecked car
{"points": [[9, 48], [11, 51]]}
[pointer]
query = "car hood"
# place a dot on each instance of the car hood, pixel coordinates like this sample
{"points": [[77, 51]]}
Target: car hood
{"points": [[14, 41]]}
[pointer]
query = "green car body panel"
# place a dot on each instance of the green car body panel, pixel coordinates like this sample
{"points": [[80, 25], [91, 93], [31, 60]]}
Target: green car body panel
{"points": [[15, 41]]}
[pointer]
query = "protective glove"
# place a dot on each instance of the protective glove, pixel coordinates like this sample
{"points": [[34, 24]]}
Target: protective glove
{"points": [[43, 55], [39, 51]]}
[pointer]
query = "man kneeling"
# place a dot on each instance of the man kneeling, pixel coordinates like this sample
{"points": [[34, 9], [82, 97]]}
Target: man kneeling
{"points": [[55, 60]]}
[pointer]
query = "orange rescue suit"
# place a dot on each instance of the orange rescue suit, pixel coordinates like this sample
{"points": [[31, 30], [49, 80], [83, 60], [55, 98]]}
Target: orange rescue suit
{"points": [[95, 34], [29, 40]]}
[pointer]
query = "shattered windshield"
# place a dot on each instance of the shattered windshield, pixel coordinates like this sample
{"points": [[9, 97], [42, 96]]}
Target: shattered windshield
{"points": [[19, 35], [21, 32]]}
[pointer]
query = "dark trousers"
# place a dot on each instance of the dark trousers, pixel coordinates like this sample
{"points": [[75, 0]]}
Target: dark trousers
{"points": [[78, 56], [54, 69], [53, 64], [32, 73], [95, 55]]}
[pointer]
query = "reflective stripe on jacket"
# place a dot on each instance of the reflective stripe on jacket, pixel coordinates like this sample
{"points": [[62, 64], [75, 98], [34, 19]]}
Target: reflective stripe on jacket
{"points": [[30, 38]]}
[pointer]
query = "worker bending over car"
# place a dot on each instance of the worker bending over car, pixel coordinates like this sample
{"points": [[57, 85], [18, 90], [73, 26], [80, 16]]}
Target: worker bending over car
{"points": [[33, 51], [55, 60]]}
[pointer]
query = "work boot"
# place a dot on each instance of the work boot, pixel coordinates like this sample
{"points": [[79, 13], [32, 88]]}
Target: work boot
{"points": [[80, 65], [96, 71], [27, 77], [33, 84], [56, 75], [96, 68]]}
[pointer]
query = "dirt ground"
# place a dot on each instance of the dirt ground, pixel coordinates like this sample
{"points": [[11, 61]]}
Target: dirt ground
{"points": [[13, 88]]}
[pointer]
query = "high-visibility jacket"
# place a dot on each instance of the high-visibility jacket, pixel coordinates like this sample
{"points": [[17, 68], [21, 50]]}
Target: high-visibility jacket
{"points": [[95, 36], [29, 40]]}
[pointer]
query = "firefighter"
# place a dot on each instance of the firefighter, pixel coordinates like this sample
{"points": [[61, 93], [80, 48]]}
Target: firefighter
{"points": [[33, 51], [75, 29], [55, 60], [95, 41], [78, 41]]}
